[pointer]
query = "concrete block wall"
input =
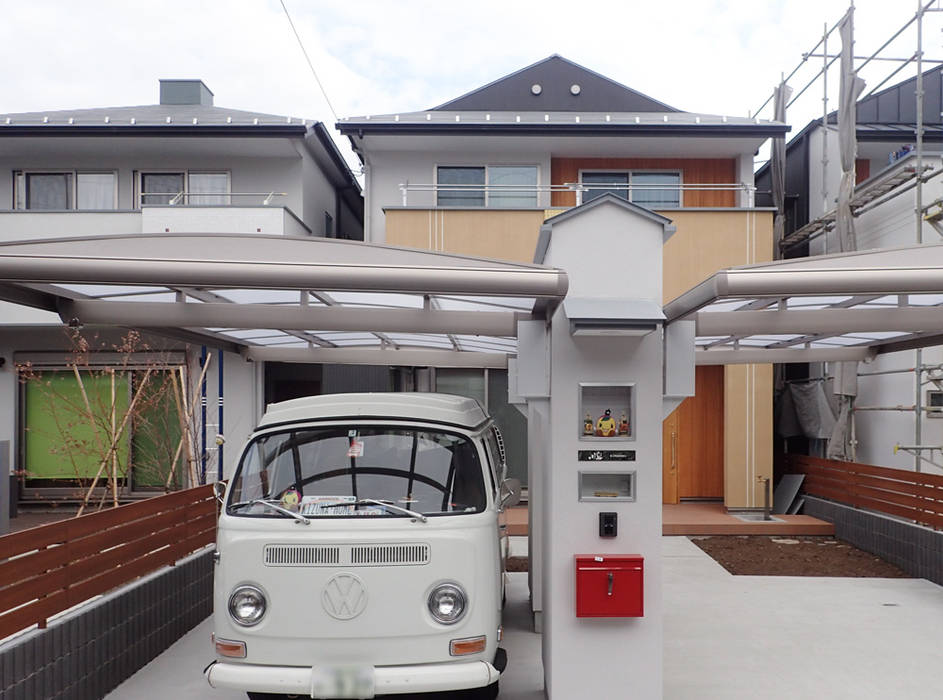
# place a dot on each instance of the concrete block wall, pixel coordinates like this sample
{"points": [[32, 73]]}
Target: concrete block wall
{"points": [[85, 654], [915, 549]]}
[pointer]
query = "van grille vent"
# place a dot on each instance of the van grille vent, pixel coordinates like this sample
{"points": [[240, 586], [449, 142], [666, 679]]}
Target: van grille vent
{"points": [[389, 554], [301, 555]]}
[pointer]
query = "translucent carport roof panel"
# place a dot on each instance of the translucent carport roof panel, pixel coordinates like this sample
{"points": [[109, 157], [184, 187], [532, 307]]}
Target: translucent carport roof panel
{"points": [[92, 277], [263, 296], [881, 300]]}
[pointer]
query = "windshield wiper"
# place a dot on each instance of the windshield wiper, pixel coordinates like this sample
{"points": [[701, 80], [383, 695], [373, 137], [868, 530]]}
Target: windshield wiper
{"points": [[383, 504], [277, 508]]}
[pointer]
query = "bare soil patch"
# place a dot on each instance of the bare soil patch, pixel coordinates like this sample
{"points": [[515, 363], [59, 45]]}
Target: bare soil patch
{"points": [[517, 564], [799, 555]]}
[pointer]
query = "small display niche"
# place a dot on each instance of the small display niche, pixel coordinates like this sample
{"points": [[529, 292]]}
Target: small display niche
{"points": [[607, 486], [607, 412]]}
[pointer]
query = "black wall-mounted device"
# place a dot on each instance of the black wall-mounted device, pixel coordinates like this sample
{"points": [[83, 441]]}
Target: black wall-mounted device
{"points": [[608, 524]]}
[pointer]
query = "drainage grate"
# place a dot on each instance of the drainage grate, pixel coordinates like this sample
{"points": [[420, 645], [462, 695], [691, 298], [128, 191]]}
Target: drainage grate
{"points": [[389, 554], [301, 555]]}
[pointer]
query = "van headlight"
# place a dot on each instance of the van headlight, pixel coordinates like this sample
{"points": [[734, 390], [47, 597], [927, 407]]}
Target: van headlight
{"points": [[447, 603], [247, 605]]}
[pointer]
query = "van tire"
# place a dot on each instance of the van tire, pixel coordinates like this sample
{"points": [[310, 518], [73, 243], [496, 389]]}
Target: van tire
{"points": [[489, 692]]}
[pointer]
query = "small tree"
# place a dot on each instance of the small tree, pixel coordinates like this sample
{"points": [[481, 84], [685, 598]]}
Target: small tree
{"points": [[130, 422]]}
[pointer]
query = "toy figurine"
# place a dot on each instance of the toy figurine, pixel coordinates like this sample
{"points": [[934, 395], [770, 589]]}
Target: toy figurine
{"points": [[623, 425], [606, 425], [588, 425]]}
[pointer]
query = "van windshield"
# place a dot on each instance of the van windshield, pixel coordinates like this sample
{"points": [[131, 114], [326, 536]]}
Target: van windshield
{"points": [[335, 472]]}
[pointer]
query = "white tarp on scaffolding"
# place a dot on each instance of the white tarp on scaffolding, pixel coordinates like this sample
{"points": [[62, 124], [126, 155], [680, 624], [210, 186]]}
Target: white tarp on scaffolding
{"points": [[850, 88]]}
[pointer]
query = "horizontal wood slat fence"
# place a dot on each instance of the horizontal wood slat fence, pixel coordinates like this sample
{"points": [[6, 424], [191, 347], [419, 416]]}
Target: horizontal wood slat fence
{"points": [[51, 568], [915, 496]]}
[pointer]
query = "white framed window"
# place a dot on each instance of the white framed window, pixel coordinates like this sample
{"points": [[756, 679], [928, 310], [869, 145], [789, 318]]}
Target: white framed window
{"points": [[497, 185], [167, 186], [59, 190], [638, 186]]}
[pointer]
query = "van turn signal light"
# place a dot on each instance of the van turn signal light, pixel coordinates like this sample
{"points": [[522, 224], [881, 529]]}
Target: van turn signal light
{"points": [[470, 645], [234, 650]]}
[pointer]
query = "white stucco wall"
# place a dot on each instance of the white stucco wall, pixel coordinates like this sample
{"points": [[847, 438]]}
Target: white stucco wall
{"points": [[607, 252]]}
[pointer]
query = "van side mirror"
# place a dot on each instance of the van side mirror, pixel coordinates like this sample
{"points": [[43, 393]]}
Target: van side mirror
{"points": [[510, 492], [219, 490]]}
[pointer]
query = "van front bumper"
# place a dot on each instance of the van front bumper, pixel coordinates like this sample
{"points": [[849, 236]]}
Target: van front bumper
{"points": [[387, 680]]}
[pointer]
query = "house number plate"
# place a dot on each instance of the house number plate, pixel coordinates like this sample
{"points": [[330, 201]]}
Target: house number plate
{"points": [[607, 455]]}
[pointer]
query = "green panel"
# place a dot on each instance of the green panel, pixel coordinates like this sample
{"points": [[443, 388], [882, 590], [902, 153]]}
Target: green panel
{"points": [[60, 441], [156, 433]]}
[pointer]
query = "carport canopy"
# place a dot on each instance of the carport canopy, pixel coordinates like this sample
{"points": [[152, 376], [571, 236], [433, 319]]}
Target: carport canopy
{"points": [[849, 306], [318, 300], [276, 298]]}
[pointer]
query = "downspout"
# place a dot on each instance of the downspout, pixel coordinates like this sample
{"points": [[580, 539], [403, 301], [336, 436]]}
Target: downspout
{"points": [[219, 429], [203, 417]]}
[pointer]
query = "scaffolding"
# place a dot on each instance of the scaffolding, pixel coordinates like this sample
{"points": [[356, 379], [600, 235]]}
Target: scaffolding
{"points": [[911, 173]]}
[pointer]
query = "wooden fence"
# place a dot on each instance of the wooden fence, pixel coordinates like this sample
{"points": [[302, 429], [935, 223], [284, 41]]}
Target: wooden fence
{"points": [[48, 569], [915, 496]]}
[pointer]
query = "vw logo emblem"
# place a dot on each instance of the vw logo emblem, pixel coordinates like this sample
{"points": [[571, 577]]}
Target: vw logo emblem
{"points": [[344, 596]]}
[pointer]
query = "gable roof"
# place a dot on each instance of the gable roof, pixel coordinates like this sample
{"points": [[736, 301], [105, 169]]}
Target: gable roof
{"points": [[608, 199], [555, 77]]}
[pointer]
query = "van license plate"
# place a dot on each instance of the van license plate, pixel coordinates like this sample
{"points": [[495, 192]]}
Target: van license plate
{"points": [[343, 681]]}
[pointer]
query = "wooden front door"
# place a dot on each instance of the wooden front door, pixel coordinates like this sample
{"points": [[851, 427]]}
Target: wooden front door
{"points": [[693, 441]]}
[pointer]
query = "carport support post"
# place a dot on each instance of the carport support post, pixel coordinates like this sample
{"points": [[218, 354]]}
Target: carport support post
{"points": [[610, 251]]}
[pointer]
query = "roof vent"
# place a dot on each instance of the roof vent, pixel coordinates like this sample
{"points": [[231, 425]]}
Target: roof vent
{"points": [[185, 92]]}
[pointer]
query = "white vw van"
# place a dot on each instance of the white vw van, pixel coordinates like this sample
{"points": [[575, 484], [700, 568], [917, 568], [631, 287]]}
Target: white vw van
{"points": [[359, 551]]}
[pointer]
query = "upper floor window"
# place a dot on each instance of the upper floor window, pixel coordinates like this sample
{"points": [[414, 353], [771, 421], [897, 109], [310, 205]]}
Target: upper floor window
{"points": [[487, 186], [64, 190], [642, 188], [183, 187]]}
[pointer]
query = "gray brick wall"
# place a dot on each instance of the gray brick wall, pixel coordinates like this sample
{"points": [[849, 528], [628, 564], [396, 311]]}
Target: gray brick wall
{"points": [[88, 652], [915, 549]]}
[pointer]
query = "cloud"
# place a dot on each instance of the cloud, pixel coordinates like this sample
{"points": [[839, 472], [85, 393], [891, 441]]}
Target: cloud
{"points": [[715, 56]]}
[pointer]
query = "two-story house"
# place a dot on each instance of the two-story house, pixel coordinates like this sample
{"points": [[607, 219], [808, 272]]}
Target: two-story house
{"points": [[182, 166], [479, 174]]}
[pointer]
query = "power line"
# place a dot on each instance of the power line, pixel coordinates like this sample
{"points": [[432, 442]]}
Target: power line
{"points": [[310, 64]]}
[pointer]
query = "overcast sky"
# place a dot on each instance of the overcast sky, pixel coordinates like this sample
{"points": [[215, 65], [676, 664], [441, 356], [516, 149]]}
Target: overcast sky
{"points": [[713, 56]]}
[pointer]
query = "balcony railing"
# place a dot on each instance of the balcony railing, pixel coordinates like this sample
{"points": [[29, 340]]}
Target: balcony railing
{"points": [[578, 188], [210, 198]]}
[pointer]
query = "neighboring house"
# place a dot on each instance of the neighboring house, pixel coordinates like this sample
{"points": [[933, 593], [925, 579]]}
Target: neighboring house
{"points": [[884, 207], [121, 169], [181, 166], [480, 174]]}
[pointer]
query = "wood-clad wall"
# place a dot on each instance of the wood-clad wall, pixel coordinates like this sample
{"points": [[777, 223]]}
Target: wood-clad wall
{"points": [[699, 171]]}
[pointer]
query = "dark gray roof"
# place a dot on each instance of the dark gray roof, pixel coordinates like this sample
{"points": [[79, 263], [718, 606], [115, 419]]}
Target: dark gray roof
{"points": [[556, 76], [145, 118], [561, 123]]}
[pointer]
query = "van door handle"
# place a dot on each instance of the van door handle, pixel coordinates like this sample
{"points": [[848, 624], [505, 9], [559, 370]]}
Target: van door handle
{"points": [[611, 577]]}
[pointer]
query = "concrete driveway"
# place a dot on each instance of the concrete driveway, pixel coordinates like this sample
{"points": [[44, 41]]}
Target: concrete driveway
{"points": [[726, 637]]}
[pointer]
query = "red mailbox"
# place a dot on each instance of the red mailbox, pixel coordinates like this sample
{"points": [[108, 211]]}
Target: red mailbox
{"points": [[609, 585]]}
